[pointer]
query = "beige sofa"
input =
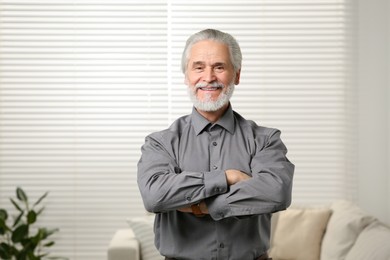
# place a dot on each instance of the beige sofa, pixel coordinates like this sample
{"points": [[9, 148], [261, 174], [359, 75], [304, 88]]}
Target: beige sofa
{"points": [[340, 231]]}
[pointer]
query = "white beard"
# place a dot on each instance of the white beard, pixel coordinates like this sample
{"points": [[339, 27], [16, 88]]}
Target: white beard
{"points": [[207, 104]]}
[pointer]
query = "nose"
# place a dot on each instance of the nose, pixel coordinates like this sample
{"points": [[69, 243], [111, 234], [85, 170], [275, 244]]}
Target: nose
{"points": [[209, 75]]}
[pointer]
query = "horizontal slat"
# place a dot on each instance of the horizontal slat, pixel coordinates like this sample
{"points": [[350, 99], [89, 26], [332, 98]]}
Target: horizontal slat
{"points": [[83, 82]]}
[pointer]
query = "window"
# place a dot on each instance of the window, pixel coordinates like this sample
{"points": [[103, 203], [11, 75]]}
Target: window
{"points": [[83, 82]]}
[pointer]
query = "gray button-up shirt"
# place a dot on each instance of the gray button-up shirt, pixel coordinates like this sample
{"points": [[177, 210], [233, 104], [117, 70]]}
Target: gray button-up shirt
{"points": [[185, 164]]}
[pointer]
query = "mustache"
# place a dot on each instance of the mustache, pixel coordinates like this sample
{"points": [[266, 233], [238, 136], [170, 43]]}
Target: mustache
{"points": [[212, 84]]}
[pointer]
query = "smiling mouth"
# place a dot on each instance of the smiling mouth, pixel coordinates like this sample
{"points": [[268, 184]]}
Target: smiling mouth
{"points": [[209, 88]]}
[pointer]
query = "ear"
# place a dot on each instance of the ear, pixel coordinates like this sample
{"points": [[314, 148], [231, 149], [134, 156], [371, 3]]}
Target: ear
{"points": [[237, 79]]}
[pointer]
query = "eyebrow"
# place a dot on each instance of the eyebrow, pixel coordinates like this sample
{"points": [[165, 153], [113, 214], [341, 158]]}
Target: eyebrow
{"points": [[219, 64], [195, 63]]}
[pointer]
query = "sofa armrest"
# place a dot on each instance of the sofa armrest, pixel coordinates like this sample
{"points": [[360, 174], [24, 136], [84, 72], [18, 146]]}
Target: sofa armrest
{"points": [[123, 246]]}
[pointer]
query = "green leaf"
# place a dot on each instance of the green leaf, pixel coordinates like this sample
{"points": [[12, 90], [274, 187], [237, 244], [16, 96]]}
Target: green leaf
{"points": [[3, 224], [5, 251], [41, 234], [3, 214], [41, 198], [16, 205], [52, 231], [17, 220], [31, 217], [3, 227], [35, 239], [22, 255], [26, 242], [28, 246], [51, 243], [45, 233], [21, 194], [32, 256], [40, 211], [19, 233]]}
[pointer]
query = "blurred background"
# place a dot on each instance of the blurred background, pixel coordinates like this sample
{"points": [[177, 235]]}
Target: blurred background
{"points": [[83, 82]]}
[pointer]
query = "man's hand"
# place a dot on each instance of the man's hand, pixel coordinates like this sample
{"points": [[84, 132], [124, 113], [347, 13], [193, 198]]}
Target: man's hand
{"points": [[202, 206], [185, 210], [234, 176]]}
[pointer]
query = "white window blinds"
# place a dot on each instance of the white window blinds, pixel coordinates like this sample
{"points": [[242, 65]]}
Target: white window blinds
{"points": [[83, 82]]}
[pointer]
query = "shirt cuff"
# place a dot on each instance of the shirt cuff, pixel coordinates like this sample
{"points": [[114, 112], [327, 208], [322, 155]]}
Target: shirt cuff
{"points": [[218, 207], [215, 183]]}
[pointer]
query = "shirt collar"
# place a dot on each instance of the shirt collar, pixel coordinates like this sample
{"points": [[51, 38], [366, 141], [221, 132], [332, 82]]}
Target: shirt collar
{"points": [[200, 123]]}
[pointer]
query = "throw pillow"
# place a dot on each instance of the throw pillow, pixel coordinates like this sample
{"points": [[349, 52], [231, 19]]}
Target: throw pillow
{"points": [[373, 243], [143, 231], [299, 233], [345, 225]]}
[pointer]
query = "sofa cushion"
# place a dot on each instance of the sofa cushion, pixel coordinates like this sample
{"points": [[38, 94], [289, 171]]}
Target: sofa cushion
{"points": [[373, 243], [123, 245], [143, 231], [345, 225], [298, 233]]}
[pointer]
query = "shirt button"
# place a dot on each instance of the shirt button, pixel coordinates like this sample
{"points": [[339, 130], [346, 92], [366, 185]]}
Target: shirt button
{"points": [[215, 143], [215, 167], [221, 245]]}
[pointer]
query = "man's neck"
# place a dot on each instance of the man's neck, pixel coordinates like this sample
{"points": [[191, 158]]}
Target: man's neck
{"points": [[213, 116]]}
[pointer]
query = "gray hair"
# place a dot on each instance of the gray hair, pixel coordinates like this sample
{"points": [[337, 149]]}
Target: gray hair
{"points": [[214, 35]]}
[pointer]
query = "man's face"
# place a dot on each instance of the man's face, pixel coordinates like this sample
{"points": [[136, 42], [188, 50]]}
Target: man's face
{"points": [[210, 75]]}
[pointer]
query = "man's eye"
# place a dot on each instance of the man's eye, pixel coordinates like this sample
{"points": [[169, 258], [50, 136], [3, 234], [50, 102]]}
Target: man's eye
{"points": [[219, 68]]}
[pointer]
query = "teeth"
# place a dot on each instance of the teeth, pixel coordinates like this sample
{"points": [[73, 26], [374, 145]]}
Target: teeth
{"points": [[209, 88]]}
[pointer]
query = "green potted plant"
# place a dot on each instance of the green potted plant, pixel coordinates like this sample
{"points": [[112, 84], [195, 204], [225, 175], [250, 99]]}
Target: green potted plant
{"points": [[22, 240]]}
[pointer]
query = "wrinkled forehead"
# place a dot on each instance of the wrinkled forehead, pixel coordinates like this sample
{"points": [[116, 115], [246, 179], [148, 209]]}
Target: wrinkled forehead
{"points": [[207, 51]]}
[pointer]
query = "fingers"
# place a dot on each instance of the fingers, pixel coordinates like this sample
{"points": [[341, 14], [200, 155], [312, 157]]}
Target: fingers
{"points": [[185, 210]]}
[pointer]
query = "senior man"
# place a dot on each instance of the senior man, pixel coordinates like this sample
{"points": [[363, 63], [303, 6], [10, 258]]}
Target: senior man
{"points": [[213, 178]]}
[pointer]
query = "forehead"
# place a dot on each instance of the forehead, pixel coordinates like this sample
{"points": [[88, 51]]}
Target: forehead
{"points": [[209, 51]]}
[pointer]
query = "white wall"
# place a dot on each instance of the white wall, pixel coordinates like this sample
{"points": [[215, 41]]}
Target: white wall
{"points": [[373, 107], [388, 108]]}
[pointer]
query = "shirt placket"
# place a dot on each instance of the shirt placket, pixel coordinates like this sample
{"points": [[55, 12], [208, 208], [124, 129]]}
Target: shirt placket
{"points": [[214, 147], [215, 143]]}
